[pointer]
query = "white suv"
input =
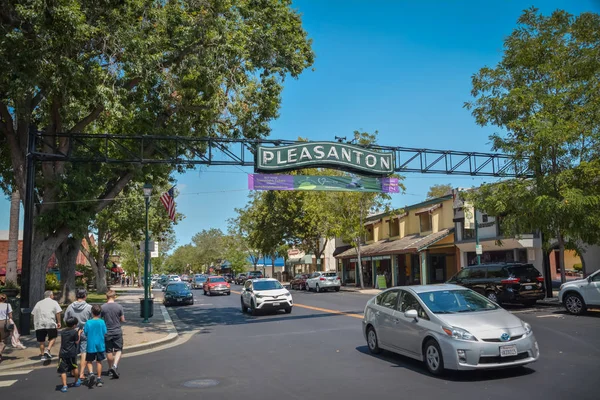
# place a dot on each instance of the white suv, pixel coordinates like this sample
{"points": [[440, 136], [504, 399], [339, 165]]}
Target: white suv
{"points": [[265, 294], [578, 295], [320, 281]]}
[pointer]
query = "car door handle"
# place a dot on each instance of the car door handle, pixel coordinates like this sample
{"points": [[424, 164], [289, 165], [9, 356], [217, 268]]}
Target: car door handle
{"points": [[396, 321]]}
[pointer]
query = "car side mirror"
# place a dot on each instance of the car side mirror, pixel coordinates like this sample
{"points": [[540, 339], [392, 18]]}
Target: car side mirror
{"points": [[412, 314], [589, 279]]}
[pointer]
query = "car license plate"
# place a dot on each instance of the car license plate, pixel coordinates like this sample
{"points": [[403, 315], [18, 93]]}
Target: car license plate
{"points": [[179, 299], [276, 304], [507, 351], [528, 287]]}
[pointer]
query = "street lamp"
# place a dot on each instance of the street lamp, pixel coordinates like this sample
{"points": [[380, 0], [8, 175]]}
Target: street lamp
{"points": [[146, 311]]}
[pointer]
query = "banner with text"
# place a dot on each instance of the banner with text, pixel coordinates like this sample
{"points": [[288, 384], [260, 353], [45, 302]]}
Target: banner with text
{"points": [[322, 183]]}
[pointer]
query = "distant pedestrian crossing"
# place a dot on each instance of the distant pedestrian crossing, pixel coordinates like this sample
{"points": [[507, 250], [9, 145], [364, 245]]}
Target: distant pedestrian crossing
{"points": [[9, 378]]}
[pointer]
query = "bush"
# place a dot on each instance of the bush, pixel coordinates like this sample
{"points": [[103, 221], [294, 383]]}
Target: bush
{"points": [[578, 267], [52, 282]]}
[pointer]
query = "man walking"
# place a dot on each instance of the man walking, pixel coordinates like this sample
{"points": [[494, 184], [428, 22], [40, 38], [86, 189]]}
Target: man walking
{"points": [[46, 321], [113, 316], [81, 310]]}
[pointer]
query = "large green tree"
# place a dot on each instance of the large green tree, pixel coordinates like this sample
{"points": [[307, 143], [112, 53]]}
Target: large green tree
{"points": [[545, 96], [439, 190], [188, 68]]}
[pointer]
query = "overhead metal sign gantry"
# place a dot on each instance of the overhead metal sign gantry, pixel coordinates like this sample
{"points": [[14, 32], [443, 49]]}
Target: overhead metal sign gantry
{"points": [[145, 149]]}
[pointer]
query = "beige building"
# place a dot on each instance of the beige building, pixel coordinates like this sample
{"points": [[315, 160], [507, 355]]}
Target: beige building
{"points": [[414, 246]]}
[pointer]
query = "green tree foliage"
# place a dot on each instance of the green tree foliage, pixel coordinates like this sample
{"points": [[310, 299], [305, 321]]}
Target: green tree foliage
{"points": [[236, 254], [439, 190], [545, 95], [187, 68]]}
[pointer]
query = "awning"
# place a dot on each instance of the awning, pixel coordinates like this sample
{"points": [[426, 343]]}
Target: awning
{"points": [[408, 244], [341, 249]]}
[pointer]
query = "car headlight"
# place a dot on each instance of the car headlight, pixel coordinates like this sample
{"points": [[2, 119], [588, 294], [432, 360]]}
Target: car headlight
{"points": [[459, 333], [189, 295], [287, 294], [259, 296], [527, 328]]}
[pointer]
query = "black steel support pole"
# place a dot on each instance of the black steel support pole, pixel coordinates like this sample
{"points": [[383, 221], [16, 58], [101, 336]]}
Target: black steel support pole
{"points": [[27, 234]]}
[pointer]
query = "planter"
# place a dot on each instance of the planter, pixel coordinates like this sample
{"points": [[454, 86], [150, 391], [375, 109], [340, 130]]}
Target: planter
{"points": [[10, 292]]}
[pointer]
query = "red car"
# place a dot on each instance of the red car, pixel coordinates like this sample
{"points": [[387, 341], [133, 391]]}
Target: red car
{"points": [[216, 285], [299, 282]]}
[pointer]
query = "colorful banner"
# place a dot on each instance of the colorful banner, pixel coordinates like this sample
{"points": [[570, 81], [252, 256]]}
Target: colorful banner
{"points": [[322, 183]]}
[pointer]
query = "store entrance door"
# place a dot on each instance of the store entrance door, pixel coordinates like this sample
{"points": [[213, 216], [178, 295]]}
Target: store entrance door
{"points": [[437, 270]]}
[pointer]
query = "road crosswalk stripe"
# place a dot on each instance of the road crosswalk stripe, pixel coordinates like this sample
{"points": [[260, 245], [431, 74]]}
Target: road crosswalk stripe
{"points": [[17, 372], [7, 383]]}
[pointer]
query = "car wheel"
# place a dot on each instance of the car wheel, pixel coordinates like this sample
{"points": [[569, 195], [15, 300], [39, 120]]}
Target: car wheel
{"points": [[574, 304], [228, 293], [317, 288], [288, 310], [492, 296], [432, 355], [253, 309], [372, 341], [244, 308], [307, 288], [337, 289]]}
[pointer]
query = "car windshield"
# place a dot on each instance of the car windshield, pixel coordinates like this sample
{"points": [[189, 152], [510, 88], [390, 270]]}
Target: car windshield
{"points": [[456, 301], [217, 280], [267, 285], [177, 287]]}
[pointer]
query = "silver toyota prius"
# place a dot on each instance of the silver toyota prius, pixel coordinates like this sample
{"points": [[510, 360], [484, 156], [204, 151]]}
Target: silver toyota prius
{"points": [[447, 327]]}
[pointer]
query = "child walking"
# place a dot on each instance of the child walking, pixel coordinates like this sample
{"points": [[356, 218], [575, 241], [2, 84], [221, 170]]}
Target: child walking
{"points": [[95, 330], [69, 344]]}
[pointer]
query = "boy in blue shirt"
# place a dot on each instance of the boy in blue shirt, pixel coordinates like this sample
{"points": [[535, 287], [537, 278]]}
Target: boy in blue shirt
{"points": [[94, 330]]}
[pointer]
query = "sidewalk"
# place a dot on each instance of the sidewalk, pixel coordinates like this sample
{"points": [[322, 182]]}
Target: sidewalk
{"points": [[137, 336]]}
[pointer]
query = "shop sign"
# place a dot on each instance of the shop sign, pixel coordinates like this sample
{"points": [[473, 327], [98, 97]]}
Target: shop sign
{"points": [[323, 183], [334, 155]]}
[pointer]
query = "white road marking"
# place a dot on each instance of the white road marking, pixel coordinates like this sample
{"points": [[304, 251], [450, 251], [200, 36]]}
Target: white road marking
{"points": [[18, 372], [551, 315], [7, 383]]}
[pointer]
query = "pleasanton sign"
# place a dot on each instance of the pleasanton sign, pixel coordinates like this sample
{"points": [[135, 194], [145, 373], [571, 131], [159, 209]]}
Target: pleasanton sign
{"points": [[324, 155]]}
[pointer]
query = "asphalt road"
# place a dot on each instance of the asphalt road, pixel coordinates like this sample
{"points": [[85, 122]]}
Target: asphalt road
{"points": [[318, 352]]}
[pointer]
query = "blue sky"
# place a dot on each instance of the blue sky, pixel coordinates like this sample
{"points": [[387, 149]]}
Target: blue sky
{"points": [[400, 67]]}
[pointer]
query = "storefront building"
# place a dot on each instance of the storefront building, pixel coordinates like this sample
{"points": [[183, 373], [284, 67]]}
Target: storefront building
{"points": [[414, 246], [496, 248]]}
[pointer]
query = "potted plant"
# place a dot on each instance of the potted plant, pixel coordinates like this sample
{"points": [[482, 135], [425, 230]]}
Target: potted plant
{"points": [[11, 289]]}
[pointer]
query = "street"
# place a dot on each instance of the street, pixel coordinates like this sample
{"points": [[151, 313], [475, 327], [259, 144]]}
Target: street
{"points": [[319, 352]]}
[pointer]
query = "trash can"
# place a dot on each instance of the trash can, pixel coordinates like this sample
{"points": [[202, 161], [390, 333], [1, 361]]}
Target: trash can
{"points": [[150, 308]]}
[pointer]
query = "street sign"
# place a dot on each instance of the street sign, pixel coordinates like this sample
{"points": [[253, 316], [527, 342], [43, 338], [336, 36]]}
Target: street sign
{"points": [[478, 249], [152, 245]]}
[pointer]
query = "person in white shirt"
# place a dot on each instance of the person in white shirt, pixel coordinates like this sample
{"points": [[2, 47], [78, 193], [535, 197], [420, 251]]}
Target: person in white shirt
{"points": [[46, 321], [5, 317]]}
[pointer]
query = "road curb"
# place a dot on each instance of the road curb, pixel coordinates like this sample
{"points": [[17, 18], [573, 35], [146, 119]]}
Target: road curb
{"points": [[138, 348]]}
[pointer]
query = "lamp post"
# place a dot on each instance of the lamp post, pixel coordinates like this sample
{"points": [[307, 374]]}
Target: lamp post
{"points": [[146, 311]]}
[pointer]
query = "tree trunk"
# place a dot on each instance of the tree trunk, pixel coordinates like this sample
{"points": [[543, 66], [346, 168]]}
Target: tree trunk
{"points": [[101, 286], [66, 255], [13, 237], [561, 255], [42, 250]]}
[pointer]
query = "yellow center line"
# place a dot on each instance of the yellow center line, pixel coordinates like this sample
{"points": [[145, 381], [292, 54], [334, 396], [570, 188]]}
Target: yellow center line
{"points": [[326, 310]]}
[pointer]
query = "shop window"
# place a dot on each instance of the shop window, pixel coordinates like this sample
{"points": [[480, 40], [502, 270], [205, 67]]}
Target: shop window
{"points": [[484, 218], [467, 233], [425, 220]]}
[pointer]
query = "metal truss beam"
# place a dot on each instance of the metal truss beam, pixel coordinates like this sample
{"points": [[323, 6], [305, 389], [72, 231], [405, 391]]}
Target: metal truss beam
{"points": [[145, 149]]}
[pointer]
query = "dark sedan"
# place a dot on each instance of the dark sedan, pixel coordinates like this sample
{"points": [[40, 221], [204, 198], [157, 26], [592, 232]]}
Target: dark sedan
{"points": [[178, 293], [299, 282]]}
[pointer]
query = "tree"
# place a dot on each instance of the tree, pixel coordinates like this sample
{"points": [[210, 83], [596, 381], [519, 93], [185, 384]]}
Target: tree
{"points": [[187, 68], [236, 254], [545, 95], [439, 190], [13, 238], [210, 247]]}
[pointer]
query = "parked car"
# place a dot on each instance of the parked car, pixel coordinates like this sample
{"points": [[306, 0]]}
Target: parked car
{"points": [[579, 295], [503, 283], [265, 294], [178, 293], [240, 279], [216, 285], [254, 275], [320, 281], [198, 281], [228, 278], [447, 327], [299, 282], [185, 278], [174, 278]]}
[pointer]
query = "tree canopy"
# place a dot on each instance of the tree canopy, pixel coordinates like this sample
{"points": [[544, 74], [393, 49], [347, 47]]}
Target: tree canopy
{"points": [[439, 190]]}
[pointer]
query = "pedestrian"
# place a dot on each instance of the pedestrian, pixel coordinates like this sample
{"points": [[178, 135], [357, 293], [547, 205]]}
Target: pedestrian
{"points": [[81, 310], [46, 322], [113, 316], [94, 330], [127, 279], [69, 346], [122, 280]]}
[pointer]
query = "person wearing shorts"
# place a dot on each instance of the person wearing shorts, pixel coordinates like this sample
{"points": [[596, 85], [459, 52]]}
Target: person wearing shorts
{"points": [[113, 316], [69, 347], [46, 321], [95, 330]]}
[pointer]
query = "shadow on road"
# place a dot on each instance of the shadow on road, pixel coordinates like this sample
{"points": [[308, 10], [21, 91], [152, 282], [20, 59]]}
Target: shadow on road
{"points": [[195, 317], [456, 376]]}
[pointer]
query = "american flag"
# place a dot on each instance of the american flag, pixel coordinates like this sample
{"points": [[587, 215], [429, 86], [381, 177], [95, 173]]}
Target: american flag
{"points": [[168, 200]]}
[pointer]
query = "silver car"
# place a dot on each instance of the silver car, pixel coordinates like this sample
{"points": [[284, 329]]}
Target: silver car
{"points": [[447, 327], [320, 281]]}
